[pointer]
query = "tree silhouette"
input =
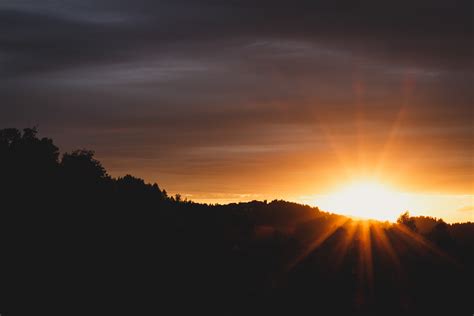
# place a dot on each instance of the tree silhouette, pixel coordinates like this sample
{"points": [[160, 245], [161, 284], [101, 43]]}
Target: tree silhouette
{"points": [[441, 236], [80, 164], [406, 220]]}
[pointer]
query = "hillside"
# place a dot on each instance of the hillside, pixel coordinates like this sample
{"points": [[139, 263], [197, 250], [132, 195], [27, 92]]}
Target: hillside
{"points": [[74, 236]]}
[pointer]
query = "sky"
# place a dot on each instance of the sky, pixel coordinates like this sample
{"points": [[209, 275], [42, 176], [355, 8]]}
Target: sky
{"points": [[227, 101]]}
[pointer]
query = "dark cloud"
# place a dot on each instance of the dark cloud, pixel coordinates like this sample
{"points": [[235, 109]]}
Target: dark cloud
{"points": [[52, 36]]}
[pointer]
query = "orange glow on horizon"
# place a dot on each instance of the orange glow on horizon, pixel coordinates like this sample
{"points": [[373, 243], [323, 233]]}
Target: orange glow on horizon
{"points": [[366, 200]]}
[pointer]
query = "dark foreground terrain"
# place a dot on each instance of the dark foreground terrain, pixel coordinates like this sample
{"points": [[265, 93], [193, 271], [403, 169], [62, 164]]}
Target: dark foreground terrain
{"points": [[74, 239]]}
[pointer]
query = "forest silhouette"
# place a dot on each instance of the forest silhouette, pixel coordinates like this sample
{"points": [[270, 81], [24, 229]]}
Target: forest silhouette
{"points": [[74, 237]]}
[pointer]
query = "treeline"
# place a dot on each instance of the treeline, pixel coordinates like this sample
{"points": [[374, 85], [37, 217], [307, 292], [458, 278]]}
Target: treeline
{"points": [[72, 236]]}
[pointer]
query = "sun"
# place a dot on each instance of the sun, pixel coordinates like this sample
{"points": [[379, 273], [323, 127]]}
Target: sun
{"points": [[367, 200]]}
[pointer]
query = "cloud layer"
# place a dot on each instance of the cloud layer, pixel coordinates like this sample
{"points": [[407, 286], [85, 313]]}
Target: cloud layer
{"points": [[209, 97]]}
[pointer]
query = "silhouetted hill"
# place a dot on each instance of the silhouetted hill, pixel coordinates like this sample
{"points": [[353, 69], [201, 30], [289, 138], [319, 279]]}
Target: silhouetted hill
{"points": [[74, 238]]}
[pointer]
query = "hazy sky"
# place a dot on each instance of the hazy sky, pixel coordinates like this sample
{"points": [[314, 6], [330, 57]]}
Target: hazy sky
{"points": [[234, 100]]}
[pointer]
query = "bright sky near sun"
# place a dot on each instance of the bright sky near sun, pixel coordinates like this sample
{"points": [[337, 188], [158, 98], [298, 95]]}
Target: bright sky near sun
{"points": [[366, 199]]}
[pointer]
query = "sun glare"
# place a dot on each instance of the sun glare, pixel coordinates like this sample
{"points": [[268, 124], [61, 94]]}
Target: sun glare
{"points": [[367, 200]]}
